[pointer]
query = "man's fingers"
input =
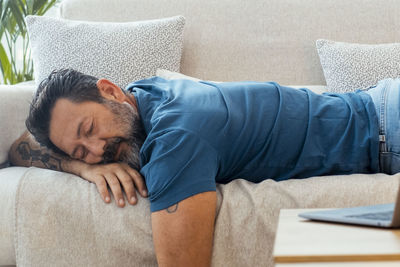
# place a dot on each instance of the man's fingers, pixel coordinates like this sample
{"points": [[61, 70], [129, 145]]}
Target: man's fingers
{"points": [[139, 181], [115, 186], [102, 188], [116, 176], [129, 187]]}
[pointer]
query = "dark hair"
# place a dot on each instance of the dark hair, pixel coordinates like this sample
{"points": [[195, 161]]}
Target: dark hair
{"points": [[65, 83]]}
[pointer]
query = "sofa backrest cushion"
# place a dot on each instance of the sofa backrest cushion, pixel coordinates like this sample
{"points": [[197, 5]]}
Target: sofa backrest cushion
{"points": [[264, 40]]}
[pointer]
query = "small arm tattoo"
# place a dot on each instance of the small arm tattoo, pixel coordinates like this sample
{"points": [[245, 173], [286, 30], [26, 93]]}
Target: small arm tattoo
{"points": [[173, 208], [42, 156]]}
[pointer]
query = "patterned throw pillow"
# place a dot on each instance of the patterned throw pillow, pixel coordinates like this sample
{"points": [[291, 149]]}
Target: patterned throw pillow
{"points": [[120, 52], [349, 66]]}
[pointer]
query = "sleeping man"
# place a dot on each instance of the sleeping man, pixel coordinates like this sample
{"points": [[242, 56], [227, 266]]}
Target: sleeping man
{"points": [[183, 137]]}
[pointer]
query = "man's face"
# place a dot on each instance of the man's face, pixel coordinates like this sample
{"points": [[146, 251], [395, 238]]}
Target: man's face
{"points": [[95, 133]]}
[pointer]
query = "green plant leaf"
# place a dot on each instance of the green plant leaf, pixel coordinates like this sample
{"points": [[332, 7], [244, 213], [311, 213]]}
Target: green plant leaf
{"points": [[13, 29], [4, 64], [4, 6], [17, 14], [23, 7], [1, 9], [29, 6], [5, 14], [45, 8], [37, 5], [2, 29]]}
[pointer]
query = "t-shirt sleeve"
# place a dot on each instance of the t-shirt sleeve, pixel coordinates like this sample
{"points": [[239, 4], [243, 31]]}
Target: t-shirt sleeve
{"points": [[179, 165]]}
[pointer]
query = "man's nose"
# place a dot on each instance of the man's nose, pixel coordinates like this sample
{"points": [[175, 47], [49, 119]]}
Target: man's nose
{"points": [[95, 146]]}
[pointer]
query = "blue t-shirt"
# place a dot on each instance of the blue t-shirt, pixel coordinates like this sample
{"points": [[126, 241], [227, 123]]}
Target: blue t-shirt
{"points": [[200, 133]]}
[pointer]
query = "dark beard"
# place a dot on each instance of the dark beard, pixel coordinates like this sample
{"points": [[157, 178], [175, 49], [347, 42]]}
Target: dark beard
{"points": [[135, 136], [136, 140]]}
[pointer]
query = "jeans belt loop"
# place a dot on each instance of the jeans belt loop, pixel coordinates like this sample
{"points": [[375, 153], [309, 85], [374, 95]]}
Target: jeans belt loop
{"points": [[382, 143]]}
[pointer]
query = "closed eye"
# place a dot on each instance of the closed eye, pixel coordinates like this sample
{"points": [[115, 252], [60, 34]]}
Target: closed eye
{"points": [[90, 129]]}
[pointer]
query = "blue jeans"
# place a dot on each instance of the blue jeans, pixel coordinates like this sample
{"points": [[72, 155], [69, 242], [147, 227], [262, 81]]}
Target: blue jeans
{"points": [[386, 98]]}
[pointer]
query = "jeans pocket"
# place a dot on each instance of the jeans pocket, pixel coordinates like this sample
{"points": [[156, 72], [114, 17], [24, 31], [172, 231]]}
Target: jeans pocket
{"points": [[389, 162]]}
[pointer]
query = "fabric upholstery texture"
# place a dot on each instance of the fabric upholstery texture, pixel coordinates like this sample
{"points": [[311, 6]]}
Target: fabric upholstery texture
{"points": [[14, 107], [61, 218], [120, 52], [166, 74], [274, 40], [350, 66], [9, 179], [171, 75]]}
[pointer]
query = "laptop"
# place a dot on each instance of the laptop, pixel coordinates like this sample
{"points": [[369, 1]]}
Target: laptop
{"points": [[384, 215]]}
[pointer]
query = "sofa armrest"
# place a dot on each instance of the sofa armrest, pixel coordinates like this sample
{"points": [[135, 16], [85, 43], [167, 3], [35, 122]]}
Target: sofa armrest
{"points": [[14, 108]]}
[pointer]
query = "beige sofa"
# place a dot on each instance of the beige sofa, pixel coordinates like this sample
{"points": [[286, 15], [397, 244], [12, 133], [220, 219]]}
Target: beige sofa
{"points": [[56, 219]]}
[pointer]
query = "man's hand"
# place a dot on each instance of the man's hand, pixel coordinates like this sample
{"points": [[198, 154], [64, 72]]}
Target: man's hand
{"points": [[183, 233], [115, 175]]}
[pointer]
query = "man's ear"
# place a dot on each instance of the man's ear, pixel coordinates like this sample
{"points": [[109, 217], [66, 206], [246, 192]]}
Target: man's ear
{"points": [[110, 90]]}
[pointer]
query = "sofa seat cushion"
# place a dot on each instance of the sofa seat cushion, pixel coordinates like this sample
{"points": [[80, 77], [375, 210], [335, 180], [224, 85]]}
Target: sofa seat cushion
{"points": [[61, 218], [9, 179]]}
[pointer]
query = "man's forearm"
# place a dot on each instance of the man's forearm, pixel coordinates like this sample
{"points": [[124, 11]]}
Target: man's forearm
{"points": [[27, 152]]}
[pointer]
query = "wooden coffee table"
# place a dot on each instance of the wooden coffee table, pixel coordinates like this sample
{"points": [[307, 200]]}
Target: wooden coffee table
{"points": [[300, 242]]}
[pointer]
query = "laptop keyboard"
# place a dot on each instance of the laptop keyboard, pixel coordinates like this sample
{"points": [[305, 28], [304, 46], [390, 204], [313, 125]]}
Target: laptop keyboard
{"points": [[379, 216]]}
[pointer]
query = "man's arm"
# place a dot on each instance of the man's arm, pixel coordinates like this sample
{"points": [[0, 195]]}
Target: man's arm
{"points": [[183, 233], [26, 152]]}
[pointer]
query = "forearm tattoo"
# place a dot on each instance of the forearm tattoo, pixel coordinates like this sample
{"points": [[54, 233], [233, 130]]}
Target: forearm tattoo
{"points": [[39, 157], [173, 208]]}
